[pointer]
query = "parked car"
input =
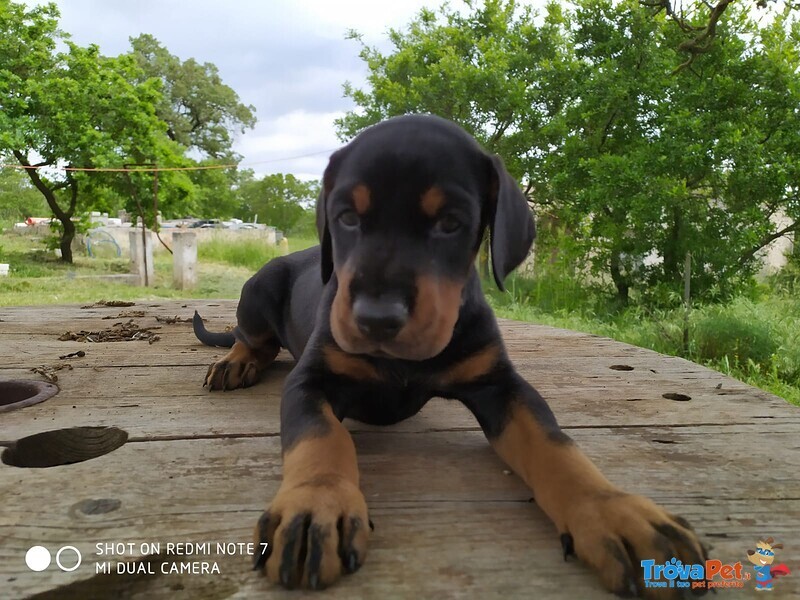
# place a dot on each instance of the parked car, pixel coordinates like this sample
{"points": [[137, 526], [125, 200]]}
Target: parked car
{"points": [[207, 224]]}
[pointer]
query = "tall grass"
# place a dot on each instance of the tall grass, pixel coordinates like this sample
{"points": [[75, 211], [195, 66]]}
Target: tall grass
{"points": [[252, 254], [248, 253], [754, 340]]}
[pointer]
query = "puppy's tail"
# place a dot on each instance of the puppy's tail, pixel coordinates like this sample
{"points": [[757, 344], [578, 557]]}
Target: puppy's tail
{"points": [[209, 338]]}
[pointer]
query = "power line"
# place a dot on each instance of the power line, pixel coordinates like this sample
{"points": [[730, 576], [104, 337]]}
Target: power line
{"points": [[154, 169]]}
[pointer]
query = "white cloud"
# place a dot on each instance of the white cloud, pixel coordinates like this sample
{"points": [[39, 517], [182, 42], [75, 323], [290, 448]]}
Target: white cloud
{"points": [[288, 58], [298, 142]]}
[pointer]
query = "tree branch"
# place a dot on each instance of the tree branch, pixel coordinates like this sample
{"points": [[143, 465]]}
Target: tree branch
{"points": [[40, 185], [747, 256], [499, 132], [701, 43], [73, 199]]}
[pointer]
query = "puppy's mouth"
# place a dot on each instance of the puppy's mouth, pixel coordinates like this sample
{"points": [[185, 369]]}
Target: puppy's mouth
{"points": [[388, 350], [378, 353]]}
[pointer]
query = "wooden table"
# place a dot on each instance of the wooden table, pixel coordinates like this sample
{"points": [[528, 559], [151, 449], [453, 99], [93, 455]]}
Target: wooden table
{"points": [[450, 520]]}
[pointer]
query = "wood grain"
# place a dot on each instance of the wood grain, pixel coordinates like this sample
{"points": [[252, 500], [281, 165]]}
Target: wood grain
{"points": [[450, 521]]}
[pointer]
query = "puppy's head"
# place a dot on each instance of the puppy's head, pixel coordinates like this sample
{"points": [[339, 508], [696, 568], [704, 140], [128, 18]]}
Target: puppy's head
{"points": [[400, 217]]}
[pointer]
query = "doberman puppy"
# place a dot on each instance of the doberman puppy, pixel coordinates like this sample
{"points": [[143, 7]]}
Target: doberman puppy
{"points": [[388, 312]]}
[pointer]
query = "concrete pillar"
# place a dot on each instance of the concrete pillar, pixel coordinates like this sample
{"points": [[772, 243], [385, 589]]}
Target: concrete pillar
{"points": [[184, 259], [142, 257]]}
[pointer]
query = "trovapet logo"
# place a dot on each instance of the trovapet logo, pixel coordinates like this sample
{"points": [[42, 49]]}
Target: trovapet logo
{"points": [[707, 575]]}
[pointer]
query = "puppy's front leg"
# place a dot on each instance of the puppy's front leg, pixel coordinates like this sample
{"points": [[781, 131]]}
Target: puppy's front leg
{"points": [[610, 530], [317, 525]]}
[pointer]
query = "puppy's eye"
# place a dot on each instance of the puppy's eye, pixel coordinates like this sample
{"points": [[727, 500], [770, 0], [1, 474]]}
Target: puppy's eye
{"points": [[447, 224], [349, 219]]}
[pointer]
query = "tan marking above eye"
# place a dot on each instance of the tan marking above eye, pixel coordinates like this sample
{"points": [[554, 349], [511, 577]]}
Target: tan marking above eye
{"points": [[361, 198], [432, 201]]}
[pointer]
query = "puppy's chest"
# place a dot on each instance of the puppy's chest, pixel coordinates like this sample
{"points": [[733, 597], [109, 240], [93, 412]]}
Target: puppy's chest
{"points": [[391, 399]]}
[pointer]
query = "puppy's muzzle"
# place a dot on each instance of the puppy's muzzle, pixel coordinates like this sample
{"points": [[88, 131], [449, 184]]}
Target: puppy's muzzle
{"points": [[380, 319]]}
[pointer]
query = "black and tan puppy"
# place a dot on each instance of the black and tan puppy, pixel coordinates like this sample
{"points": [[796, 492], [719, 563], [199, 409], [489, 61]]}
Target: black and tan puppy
{"points": [[388, 312]]}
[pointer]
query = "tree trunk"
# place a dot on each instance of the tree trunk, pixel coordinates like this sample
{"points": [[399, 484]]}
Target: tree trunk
{"points": [[620, 281], [66, 239], [65, 216], [673, 253]]}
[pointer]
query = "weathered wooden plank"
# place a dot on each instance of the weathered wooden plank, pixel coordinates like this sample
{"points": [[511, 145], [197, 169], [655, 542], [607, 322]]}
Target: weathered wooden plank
{"points": [[170, 402], [418, 552], [444, 502], [451, 522]]}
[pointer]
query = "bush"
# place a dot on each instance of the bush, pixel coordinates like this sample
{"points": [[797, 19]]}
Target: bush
{"points": [[739, 330]]}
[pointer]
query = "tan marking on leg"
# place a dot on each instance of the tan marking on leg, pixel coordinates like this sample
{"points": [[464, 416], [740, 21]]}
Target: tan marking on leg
{"points": [[557, 471], [341, 363], [320, 484], [362, 198], [472, 367], [432, 201], [315, 457]]}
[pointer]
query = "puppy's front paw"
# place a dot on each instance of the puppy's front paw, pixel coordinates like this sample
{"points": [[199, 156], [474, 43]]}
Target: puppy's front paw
{"points": [[314, 532], [613, 532], [231, 374], [241, 367]]}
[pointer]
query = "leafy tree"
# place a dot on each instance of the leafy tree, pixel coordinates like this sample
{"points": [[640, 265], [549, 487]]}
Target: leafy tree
{"points": [[68, 108], [202, 114], [638, 164], [492, 70], [279, 200], [77, 108], [200, 111], [217, 191], [656, 165]]}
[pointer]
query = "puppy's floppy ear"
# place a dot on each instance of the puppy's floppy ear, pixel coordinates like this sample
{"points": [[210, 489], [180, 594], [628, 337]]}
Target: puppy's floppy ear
{"points": [[326, 246], [510, 223]]}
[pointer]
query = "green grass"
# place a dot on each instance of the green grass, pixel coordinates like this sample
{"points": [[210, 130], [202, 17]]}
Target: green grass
{"points": [[754, 340], [251, 254], [38, 277]]}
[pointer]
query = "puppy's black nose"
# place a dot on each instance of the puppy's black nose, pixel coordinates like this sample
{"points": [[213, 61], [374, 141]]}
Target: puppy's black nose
{"points": [[379, 319]]}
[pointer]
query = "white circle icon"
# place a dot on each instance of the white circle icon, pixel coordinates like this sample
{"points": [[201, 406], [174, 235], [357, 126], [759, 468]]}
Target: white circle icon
{"points": [[58, 559], [37, 558]]}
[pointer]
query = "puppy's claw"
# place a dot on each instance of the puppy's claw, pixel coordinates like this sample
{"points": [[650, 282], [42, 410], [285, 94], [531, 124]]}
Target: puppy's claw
{"points": [[567, 545], [352, 562], [262, 555]]}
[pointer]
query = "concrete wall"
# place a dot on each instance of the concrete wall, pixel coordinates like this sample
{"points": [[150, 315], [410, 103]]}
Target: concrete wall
{"points": [[120, 235], [775, 256]]}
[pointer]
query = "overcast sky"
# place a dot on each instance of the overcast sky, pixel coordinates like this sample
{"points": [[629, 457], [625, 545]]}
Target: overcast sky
{"points": [[288, 58]]}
